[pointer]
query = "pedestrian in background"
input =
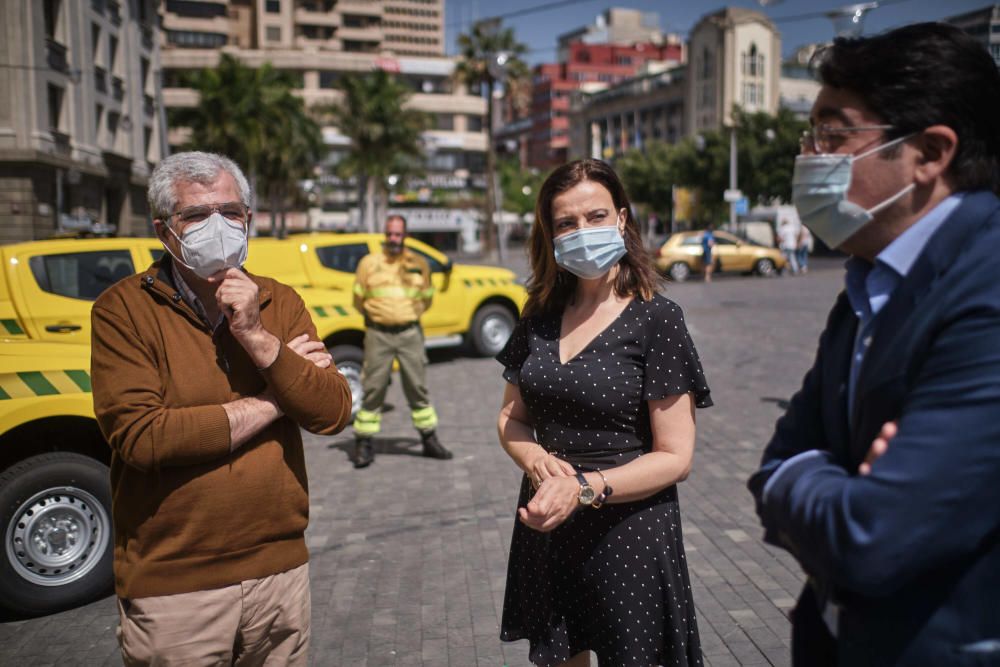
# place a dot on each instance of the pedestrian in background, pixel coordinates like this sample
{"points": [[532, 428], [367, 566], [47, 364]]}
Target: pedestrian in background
{"points": [[392, 289], [804, 247], [707, 252], [788, 243], [883, 476], [598, 411], [202, 376]]}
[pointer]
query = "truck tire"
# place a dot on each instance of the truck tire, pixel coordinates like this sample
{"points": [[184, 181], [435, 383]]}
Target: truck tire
{"points": [[55, 514], [350, 360], [491, 327]]}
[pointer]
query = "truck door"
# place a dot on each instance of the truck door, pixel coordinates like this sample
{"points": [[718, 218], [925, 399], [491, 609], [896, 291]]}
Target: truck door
{"points": [[58, 289]]}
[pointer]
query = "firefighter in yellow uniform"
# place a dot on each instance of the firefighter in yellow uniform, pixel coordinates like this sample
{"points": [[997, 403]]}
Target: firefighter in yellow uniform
{"points": [[392, 289]]}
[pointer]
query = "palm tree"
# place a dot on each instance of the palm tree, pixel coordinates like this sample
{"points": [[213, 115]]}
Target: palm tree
{"points": [[252, 115], [386, 137], [478, 67]]}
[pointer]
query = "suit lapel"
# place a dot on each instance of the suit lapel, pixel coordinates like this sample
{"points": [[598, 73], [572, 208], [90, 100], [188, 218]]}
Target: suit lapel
{"points": [[938, 255], [835, 373]]}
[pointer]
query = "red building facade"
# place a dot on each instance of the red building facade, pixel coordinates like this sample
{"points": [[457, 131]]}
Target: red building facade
{"points": [[544, 142]]}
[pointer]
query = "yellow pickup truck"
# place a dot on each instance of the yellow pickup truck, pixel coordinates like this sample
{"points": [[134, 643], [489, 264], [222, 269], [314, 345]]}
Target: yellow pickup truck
{"points": [[55, 505], [55, 502], [475, 305]]}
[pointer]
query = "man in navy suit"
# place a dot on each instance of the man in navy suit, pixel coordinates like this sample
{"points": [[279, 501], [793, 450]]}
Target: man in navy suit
{"points": [[883, 477]]}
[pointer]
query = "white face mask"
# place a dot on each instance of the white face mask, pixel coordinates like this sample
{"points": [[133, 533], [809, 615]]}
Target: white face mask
{"points": [[590, 253], [819, 192], [212, 245]]}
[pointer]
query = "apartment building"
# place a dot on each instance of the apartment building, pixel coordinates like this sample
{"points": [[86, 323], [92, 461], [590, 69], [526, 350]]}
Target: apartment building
{"points": [[620, 44], [320, 41], [984, 25], [734, 57], [80, 120]]}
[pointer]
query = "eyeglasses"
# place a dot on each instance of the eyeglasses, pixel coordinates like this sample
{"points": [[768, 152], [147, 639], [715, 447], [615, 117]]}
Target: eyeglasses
{"points": [[234, 211], [827, 139]]}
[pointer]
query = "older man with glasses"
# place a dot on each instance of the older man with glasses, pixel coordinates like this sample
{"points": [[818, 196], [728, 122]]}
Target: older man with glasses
{"points": [[202, 376]]}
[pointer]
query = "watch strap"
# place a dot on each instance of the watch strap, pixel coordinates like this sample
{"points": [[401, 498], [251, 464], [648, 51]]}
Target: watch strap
{"points": [[604, 495]]}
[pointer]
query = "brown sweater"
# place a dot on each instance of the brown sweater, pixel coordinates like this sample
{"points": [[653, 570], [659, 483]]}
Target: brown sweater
{"points": [[188, 514]]}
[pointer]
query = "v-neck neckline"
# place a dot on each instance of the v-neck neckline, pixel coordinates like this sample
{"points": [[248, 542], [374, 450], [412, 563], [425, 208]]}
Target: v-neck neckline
{"points": [[591, 342]]}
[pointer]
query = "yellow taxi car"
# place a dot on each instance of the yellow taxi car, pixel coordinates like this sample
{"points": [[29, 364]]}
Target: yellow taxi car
{"points": [[681, 254], [55, 499]]}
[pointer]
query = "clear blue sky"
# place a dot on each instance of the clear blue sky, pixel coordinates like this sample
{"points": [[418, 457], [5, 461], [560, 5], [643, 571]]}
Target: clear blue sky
{"points": [[540, 30]]}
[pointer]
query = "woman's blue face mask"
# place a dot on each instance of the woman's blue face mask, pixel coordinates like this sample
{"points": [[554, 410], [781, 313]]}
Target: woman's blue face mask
{"points": [[590, 253]]}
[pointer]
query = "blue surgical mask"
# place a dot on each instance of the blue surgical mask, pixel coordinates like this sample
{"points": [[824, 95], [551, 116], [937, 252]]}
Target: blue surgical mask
{"points": [[819, 192], [590, 253]]}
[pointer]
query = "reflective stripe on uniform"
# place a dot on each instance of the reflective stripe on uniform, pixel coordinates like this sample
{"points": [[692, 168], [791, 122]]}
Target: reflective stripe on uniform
{"points": [[393, 292], [358, 289], [425, 419], [367, 423], [28, 384]]}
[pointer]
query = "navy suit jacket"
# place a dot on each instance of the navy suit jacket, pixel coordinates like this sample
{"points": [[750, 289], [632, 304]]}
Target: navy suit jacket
{"points": [[910, 552]]}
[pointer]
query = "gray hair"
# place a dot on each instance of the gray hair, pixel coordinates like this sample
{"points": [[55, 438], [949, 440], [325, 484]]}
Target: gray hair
{"points": [[190, 167]]}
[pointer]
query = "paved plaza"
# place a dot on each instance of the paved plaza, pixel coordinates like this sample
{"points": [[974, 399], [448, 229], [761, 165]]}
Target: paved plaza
{"points": [[409, 555]]}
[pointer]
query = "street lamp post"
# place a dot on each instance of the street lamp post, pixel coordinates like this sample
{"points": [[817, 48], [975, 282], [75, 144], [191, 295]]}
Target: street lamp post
{"points": [[849, 20]]}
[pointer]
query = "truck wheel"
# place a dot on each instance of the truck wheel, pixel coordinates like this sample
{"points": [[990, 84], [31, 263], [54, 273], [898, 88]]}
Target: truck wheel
{"points": [[55, 513], [491, 327], [350, 360]]}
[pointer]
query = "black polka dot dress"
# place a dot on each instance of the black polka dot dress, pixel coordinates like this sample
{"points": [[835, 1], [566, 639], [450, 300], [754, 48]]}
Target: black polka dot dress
{"points": [[611, 580]]}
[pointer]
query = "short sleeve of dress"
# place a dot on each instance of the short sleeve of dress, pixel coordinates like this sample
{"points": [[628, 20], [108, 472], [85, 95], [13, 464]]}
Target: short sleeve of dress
{"points": [[672, 365], [514, 353]]}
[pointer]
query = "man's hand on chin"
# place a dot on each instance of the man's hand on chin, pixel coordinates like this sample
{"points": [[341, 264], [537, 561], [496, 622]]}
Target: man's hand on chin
{"points": [[238, 298]]}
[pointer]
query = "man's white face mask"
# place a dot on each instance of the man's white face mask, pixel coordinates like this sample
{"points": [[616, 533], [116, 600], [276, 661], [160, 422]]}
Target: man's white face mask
{"points": [[214, 244], [819, 192]]}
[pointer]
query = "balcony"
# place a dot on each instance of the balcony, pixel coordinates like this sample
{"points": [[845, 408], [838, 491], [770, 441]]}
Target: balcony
{"points": [[117, 88], [360, 8], [61, 140], [148, 105], [369, 34], [309, 17], [101, 79], [55, 55]]}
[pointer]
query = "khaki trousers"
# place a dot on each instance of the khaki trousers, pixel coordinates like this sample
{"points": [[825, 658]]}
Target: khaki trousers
{"points": [[255, 622], [381, 347]]}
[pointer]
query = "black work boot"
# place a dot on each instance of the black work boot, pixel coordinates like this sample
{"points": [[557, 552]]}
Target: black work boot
{"points": [[433, 447], [364, 452]]}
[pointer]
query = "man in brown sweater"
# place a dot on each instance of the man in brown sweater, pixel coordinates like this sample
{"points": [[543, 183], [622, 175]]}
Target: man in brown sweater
{"points": [[202, 376]]}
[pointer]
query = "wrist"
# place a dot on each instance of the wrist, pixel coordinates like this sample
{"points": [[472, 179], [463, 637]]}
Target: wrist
{"points": [[262, 346]]}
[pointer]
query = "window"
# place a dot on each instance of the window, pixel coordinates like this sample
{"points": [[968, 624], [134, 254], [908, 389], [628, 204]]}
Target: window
{"points": [[50, 9], [474, 123], [196, 40], [722, 240], [327, 79], [81, 275], [55, 107], [112, 52], [436, 266], [342, 257], [444, 121], [99, 116], [272, 6], [95, 41], [272, 33]]}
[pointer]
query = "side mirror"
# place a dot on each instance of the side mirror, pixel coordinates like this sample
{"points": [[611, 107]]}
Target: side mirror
{"points": [[448, 266]]}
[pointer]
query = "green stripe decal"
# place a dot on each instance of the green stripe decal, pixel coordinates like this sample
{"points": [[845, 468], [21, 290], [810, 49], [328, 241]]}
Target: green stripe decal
{"points": [[81, 378], [320, 311], [12, 327], [340, 310], [37, 383], [4, 396]]}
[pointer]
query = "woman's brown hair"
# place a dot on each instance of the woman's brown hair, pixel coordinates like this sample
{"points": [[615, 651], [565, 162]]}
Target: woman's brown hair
{"points": [[550, 286]]}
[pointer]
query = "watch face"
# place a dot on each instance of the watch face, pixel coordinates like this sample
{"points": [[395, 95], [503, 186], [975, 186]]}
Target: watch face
{"points": [[587, 495]]}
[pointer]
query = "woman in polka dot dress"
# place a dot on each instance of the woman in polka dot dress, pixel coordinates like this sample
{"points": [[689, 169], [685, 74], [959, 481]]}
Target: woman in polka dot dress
{"points": [[602, 380]]}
